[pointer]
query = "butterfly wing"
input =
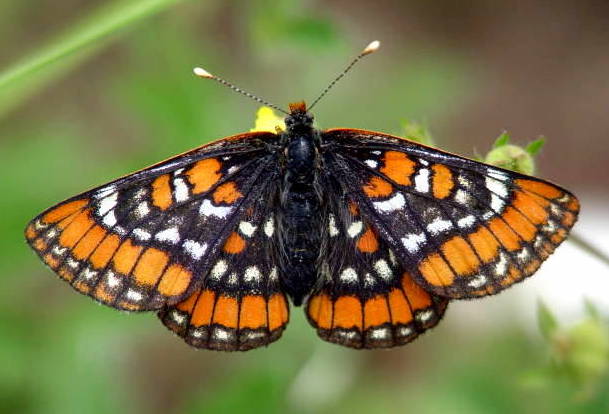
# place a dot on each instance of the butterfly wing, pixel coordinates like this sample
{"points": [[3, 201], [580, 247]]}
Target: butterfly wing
{"points": [[462, 228], [366, 298], [148, 239], [239, 305]]}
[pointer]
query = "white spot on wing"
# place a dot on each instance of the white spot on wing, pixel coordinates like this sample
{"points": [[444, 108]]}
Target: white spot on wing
{"points": [[142, 234], [168, 235], [394, 203], [103, 192], [106, 204], [466, 222], [252, 274], [413, 242], [208, 209], [462, 197], [332, 226], [439, 225], [501, 266], [383, 269], [269, 227], [110, 219], [355, 229], [421, 180], [371, 163], [478, 281], [247, 228], [349, 275], [180, 190], [424, 316], [142, 209], [218, 270], [134, 295], [195, 249]]}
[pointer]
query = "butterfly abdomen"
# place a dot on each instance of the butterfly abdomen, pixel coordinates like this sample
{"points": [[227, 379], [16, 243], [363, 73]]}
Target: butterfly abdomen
{"points": [[299, 216]]}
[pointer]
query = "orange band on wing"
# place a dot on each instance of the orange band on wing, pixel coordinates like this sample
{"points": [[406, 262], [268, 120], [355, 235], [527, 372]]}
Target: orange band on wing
{"points": [[227, 193], [204, 307], [161, 192], [126, 256], [377, 187], [398, 167], [368, 243], [204, 174], [253, 312], [226, 312], [76, 229], [175, 281], [460, 255], [278, 311], [150, 266], [234, 244], [543, 189], [417, 297], [376, 312], [348, 312], [65, 210], [436, 271], [400, 311], [89, 242], [442, 181]]}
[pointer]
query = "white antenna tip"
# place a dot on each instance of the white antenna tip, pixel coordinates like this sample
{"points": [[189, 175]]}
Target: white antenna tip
{"points": [[372, 47], [202, 73]]}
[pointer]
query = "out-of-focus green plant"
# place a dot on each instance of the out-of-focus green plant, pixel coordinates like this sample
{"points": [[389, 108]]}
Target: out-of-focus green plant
{"points": [[578, 354], [418, 132], [62, 54], [513, 157]]}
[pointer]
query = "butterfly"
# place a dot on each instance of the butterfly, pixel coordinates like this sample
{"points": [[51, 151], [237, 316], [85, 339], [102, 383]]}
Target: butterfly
{"points": [[372, 233]]}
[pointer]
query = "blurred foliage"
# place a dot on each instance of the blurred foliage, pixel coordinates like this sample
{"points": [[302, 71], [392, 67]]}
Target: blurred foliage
{"points": [[513, 157], [579, 354], [416, 131], [61, 353]]}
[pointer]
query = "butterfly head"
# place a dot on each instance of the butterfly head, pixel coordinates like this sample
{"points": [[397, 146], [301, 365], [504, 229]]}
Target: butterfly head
{"points": [[299, 118]]}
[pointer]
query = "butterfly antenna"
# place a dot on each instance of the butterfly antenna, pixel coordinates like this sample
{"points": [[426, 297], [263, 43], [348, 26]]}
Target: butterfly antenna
{"points": [[202, 73], [372, 47]]}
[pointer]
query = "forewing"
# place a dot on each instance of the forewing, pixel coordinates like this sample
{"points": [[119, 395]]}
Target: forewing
{"points": [[366, 299], [147, 240], [240, 305], [462, 228]]}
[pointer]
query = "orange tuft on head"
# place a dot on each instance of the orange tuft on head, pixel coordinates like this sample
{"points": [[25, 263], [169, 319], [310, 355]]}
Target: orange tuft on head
{"points": [[298, 107]]}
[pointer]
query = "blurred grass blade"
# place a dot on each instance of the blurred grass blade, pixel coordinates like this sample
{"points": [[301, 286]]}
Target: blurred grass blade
{"points": [[546, 321], [22, 80]]}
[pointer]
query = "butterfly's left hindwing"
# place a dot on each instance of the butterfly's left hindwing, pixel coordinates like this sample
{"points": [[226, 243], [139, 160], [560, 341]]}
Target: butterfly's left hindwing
{"points": [[149, 239], [365, 298], [239, 305], [463, 228]]}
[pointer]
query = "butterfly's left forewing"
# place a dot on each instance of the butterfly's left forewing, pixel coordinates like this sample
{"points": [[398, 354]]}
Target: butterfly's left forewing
{"points": [[463, 228], [148, 239]]}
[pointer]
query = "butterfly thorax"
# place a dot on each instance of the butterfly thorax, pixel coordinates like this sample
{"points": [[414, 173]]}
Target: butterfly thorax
{"points": [[299, 213]]}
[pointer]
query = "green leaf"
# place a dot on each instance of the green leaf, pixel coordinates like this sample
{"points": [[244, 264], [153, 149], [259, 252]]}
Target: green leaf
{"points": [[418, 132], [59, 56], [534, 147], [546, 320], [502, 140], [591, 310]]}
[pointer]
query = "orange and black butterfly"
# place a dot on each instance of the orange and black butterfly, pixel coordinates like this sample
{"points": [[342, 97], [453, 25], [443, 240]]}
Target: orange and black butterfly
{"points": [[375, 234]]}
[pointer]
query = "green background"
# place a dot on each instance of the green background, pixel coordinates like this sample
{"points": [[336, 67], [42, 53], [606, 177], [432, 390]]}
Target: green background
{"points": [[95, 89]]}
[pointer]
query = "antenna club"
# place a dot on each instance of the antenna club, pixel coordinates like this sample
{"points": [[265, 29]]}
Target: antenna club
{"points": [[372, 47], [202, 73]]}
